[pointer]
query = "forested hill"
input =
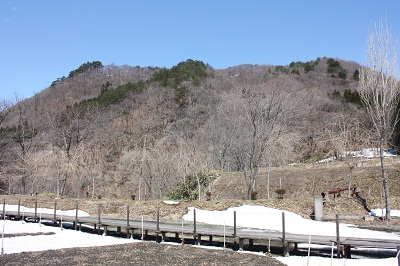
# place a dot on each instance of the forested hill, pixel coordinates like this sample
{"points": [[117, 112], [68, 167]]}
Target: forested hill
{"points": [[121, 130]]}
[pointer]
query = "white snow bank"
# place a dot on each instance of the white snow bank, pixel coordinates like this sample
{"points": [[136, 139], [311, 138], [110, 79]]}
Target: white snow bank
{"points": [[364, 153], [43, 210], [320, 261], [171, 202], [382, 212], [60, 239], [271, 219]]}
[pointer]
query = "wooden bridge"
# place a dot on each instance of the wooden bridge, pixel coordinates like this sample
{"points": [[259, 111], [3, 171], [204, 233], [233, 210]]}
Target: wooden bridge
{"points": [[200, 234]]}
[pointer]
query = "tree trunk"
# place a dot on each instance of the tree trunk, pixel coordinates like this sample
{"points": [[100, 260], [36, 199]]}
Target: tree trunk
{"points": [[63, 184], [198, 185], [252, 184], [350, 178], [385, 182]]}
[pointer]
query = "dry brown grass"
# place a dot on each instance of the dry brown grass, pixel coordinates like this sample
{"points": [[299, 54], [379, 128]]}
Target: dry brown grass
{"points": [[229, 189]]}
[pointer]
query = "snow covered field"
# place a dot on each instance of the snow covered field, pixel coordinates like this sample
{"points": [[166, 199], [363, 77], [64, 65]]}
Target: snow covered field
{"points": [[247, 216]]}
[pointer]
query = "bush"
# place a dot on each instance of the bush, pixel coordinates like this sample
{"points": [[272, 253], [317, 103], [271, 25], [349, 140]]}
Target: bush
{"points": [[254, 195], [188, 190], [280, 192]]}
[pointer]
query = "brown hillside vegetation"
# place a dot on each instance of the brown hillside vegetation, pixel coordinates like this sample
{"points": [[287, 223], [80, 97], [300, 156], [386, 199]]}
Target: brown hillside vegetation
{"points": [[137, 135], [301, 183]]}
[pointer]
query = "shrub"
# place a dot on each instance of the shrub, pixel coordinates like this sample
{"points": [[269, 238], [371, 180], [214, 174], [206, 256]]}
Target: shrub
{"points": [[280, 192], [188, 190], [254, 195]]}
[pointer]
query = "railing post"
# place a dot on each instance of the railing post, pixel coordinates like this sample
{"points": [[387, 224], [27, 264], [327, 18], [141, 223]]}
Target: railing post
{"points": [[398, 255], [127, 222], [234, 224], [19, 208], [98, 218], [337, 237], [76, 217], [4, 209], [98, 215], [194, 226], [55, 211], [284, 244], [35, 210], [158, 219], [158, 226], [234, 231]]}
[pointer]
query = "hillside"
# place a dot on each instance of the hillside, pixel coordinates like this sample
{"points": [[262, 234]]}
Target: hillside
{"points": [[127, 132]]}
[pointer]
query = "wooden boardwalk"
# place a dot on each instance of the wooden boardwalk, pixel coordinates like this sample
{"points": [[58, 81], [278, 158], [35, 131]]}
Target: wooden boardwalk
{"points": [[202, 233]]}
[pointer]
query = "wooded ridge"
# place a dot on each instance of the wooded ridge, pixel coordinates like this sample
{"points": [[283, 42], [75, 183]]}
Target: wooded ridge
{"points": [[149, 132]]}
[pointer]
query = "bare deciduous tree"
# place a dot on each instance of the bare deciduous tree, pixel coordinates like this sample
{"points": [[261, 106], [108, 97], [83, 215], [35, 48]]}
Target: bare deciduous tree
{"points": [[346, 136], [72, 128], [268, 109], [380, 91]]}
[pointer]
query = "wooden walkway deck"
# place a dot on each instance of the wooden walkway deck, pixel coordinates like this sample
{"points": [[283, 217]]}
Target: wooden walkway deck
{"points": [[201, 233]]}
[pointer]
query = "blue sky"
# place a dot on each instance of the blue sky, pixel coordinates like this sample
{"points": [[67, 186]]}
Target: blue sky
{"points": [[45, 39]]}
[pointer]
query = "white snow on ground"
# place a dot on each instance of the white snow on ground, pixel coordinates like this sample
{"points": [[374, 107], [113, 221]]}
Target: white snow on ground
{"points": [[42, 210], [247, 216], [60, 239], [367, 153], [319, 261], [271, 219], [382, 212]]}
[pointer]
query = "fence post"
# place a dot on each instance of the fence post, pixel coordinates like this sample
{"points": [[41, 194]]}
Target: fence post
{"points": [[55, 211], [194, 226], [19, 208], [234, 225], [158, 226], [98, 214], [158, 219], [76, 217], [337, 237], [398, 255], [284, 244], [127, 221], [98, 218], [35, 210], [4, 209]]}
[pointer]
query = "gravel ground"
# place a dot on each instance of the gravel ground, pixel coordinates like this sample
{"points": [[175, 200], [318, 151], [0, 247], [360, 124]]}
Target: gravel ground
{"points": [[146, 253]]}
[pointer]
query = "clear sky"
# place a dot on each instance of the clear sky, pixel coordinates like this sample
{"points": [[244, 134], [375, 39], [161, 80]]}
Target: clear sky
{"points": [[43, 40]]}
